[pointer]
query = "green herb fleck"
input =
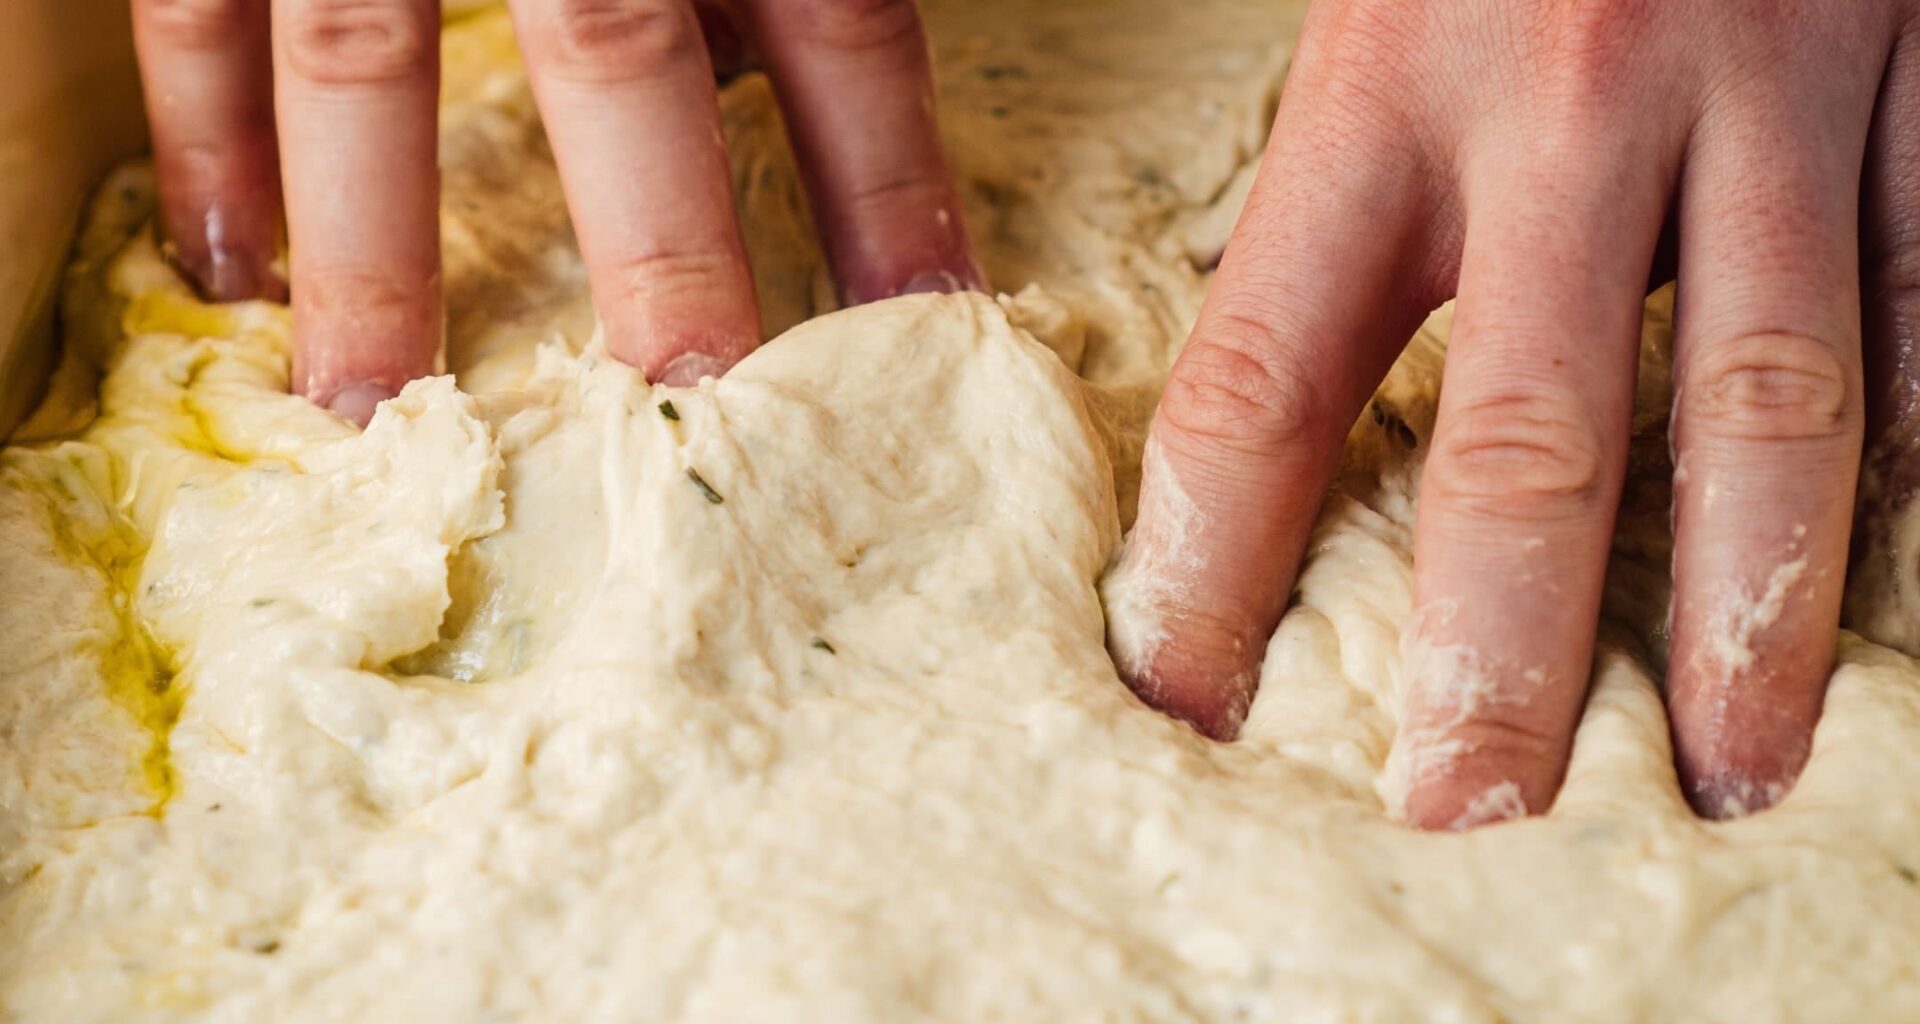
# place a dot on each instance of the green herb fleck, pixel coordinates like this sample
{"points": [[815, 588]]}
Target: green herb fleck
{"points": [[1912, 876], [706, 489], [667, 410], [267, 948], [821, 644]]}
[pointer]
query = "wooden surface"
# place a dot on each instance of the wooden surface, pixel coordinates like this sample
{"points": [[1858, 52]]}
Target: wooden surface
{"points": [[70, 108]]}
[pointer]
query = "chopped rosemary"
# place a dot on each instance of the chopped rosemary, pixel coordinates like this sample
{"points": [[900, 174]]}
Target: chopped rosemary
{"points": [[820, 644], [706, 489], [667, 410]]}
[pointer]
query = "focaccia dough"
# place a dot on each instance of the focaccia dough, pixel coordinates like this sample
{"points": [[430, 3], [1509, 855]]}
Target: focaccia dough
{"points": [[559, 697]]}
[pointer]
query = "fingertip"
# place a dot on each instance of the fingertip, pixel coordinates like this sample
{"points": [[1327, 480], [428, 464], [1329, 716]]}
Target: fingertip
{"points": [[1449, 786], [1734, 761], [1726, 796], [236, 275], [1745, 689], [241, 274], [950, 277], [1202, 680], [356, 403], [205, 72], [360, 335], [1462, 809], [678, 344], [1470, 769], [856, 89], [689, 368], [941, 282], [1216, 710], [225, 244]]}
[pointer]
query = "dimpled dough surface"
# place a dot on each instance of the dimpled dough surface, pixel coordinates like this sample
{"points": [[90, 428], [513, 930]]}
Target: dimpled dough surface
{"points": [[495, 712]]}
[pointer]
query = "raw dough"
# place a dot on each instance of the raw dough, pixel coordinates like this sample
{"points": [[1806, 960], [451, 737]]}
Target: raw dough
{"points": [[497, 712]]}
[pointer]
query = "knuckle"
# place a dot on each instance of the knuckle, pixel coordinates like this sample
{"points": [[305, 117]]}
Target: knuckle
{"points": [[1587, 45], [194, 24], [1573, 67], [1221, 392], [914, 190], [1519, 454], [661, 272], [359, 42], [858, 24], [1441, 737], [618, 40], [1356, 37], [1777, 386], [366, 303], [1354, 56], [1512, 740]]}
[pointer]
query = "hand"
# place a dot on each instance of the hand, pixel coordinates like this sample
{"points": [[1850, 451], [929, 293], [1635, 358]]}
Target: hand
{"points": [[1525, 157], [626, 90]]}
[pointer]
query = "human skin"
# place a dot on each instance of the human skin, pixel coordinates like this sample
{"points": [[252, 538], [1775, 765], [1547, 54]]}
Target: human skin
{"points": [[1540, 162], [328, 107], [1527, 158]]}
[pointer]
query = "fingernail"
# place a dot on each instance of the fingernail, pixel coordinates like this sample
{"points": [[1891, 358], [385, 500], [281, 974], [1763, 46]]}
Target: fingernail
{"points": [[945, 282], [1731, 796], [235, 271], [689, 368], [235, 277], [926, 282], [356, 403], [933, 282]]}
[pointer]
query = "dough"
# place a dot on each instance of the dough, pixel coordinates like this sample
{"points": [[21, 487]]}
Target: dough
{"points": [[561, 697]]}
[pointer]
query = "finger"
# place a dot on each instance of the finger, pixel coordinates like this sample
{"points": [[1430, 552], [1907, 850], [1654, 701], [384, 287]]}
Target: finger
{"points": [[1518, 498], [1666, 255], [355, 82], [1883, 599], [726, 46], [1325, 278], [205, 66], [1767, 429], [627, 94], [855, 84]]}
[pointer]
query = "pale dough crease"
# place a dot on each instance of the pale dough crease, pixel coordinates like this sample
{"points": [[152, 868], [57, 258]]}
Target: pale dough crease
{"points": [[559, 697]]}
